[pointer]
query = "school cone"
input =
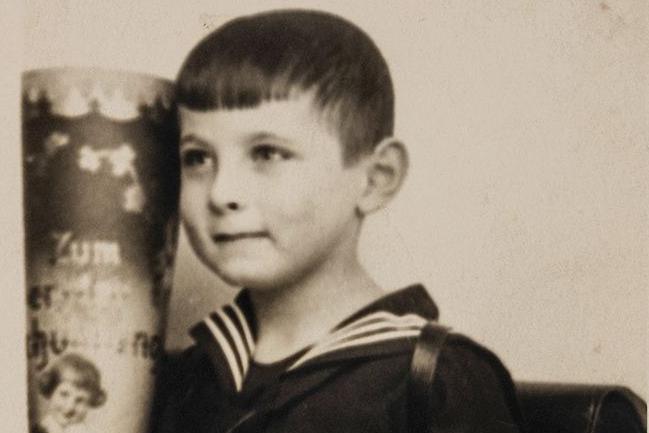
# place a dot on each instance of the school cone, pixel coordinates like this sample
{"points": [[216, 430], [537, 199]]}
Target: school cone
{"points": [[100, 198]]}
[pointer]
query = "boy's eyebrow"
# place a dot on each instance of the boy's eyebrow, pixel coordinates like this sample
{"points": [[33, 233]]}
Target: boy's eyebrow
{"points": [[258, 136], [192, 138], [264, 135]]}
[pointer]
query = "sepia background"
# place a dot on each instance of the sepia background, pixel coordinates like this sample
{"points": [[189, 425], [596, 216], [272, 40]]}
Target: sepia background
{"points": [[525, 210]]}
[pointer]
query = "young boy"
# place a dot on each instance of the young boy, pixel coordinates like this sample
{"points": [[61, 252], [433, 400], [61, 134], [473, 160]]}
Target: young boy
{"points": [[286, 145]]}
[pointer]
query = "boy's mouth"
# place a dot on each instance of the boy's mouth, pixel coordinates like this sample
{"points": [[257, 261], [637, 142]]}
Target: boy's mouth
{"points": [[231, 237]]}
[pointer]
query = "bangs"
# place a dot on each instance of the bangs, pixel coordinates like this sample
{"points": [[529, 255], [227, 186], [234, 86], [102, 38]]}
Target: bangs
{"points": [[232, 86]]}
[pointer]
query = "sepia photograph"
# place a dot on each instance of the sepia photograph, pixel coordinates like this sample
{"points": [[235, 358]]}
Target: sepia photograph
{"points": [[425, 216]]}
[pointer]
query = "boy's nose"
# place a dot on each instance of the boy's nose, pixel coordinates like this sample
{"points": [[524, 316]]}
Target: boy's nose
{"points": [[226, 191]]}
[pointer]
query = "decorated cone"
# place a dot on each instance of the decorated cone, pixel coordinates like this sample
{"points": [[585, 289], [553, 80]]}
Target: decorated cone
{"points": [[100, 200]]}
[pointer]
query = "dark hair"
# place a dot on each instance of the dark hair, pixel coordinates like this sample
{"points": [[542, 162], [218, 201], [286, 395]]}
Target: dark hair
{"points": [[85, 376], [268, 56]]}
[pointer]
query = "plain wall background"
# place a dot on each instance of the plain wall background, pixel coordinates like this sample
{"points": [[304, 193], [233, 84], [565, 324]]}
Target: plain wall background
{"points": [[525, 210]]}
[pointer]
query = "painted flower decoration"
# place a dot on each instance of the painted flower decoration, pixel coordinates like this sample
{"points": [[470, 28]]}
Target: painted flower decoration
{"points": [[89, 160], [121, 160], [133, 199], [56, 141]]}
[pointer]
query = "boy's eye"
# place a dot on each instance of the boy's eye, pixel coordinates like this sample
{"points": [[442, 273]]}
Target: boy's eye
{"points": [[194, 158], [266, 152]]}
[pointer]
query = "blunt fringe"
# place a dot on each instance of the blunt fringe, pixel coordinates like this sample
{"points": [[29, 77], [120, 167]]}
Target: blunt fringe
{"points": [[269, 56]]}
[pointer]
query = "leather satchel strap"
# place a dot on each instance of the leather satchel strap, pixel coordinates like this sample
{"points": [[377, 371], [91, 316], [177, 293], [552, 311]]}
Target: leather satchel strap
{"points": [[422, 398], [422, 372]]}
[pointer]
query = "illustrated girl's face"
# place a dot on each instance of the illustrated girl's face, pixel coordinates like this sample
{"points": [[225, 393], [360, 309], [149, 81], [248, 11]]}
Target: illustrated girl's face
{"points": [[69, 404]]}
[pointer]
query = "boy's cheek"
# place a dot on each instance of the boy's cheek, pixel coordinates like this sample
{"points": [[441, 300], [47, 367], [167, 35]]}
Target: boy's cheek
{"points": [[192, 197], [292, 208]]}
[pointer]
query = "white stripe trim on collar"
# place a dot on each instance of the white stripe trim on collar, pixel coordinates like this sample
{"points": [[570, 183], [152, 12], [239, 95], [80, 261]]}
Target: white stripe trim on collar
{"points": [[367, 340], [250, 342], [227, 349], [382, 325], [373, 328], [237, 338], [380, 318], [232, 333]]}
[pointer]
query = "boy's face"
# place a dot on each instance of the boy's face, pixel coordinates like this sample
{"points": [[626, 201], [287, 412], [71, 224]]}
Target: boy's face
{"points": [[266, 200], [69, 404]]}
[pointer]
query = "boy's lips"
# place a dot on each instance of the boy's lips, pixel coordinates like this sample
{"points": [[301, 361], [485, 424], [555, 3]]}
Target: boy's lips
{"points": [[231, 237]]}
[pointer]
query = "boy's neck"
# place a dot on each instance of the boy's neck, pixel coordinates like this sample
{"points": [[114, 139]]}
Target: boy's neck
{"points": [[290, 319]]}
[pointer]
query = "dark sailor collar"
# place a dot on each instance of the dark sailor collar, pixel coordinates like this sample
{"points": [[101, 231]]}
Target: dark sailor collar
{"points": [[387, 325]]}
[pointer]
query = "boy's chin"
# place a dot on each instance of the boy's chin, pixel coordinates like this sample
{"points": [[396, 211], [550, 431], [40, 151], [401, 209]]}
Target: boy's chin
{"points": [[260, 272], [255, 279]]}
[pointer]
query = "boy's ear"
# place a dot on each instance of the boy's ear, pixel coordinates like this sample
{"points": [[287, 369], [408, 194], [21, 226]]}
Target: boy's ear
{"points": [[386, 168]]}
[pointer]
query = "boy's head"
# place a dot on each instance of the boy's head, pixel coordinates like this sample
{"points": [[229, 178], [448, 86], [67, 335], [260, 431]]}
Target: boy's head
{"points": [[285, 124], [72, 385], [273, 55]]}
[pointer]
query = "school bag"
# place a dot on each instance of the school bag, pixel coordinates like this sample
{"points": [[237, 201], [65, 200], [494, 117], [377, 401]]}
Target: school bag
{"points": [[535, 407]]}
